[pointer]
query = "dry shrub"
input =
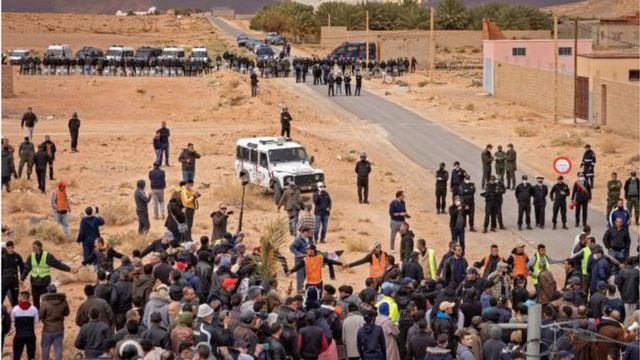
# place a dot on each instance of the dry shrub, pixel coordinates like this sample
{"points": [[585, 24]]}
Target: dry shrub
{"points": [[357, 245], [568, 138], [21, 203], [475, 50], [236, 100], [230, 192], [461, 50], [526, 131], [47, 231], [141, 91], [234, 83], [128, 238], [350, 158], [402, 83], [608, 146], [634, 158], [117, 213], [21, 184], [469, 107], [423, 83], [85, 275]]}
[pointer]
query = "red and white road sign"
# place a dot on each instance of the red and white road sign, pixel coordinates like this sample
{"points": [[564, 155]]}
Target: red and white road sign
{"points": [[562, 165]]}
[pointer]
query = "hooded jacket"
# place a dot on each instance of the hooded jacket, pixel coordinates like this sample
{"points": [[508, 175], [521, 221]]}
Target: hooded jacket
{"points": [[89, 230], [53, 309], [492, 348], [141, 288], [158, 302], [438, 353], [142, 200], [628, 282], [121, 297]]}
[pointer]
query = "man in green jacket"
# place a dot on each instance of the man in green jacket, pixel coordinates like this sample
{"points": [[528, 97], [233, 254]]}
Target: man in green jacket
{"points": [[487, 159], [8, 167], [501, 158], [614, 186]]}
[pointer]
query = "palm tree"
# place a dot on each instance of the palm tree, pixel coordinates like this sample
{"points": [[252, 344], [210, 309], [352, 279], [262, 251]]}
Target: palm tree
{"points": [[272, 240], [452, 15], [413, 19]]}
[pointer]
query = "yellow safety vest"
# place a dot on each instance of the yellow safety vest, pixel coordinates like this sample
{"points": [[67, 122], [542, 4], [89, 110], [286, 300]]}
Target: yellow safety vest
{"points": [[536, 269], [586, 254], [40, 270], [432, 263]]}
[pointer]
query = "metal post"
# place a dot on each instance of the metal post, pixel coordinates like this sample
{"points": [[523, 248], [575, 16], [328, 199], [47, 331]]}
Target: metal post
{"points": [[241, 209], [533, 331], [329, 20], [555, 69], [432, 46], [575, 69], [367, 44]]}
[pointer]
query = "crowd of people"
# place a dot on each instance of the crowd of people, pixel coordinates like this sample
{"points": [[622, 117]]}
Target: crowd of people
{"points": [[181, 298]]}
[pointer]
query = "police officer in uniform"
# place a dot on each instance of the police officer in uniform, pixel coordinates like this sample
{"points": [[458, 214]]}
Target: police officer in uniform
{"points": [[358, 84], [588, 164], [501, 158], [467, 195], [363, 169], [511, 167], [524, 192], [12, 268], [487, 159], [581, 196], [442, 177], [457, 178], [540, 192], [285, 123], [559, 193], [347, 84], [614, 186], [491, 194]]}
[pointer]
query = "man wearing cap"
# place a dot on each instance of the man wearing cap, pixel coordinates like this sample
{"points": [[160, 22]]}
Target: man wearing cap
{"points": [[487, 159], [285, 123], [12, 268], [442, 177], [457, 178], [501, 281], [524, 193], [377, 260], [298, 248], [581, 197], [632, 195], [388, 292], [588, 164], [322, 210], [203, 327], [540, 192], [363, 169], [443, 323], [559, 193], [292, 201]]}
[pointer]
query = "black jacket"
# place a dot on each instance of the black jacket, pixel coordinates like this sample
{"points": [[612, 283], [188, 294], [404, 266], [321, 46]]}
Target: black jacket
{"points": [[121, 296], [417, 346], [457, 178], [158, 336], [467, 193], [29, 119], [617, 239], [580, 196], [51, 261], [492, 194], [524, 192], [91, 338], [540, 194], [442, 177], [627, 184], [363, 169], [413, 270], [559, 193], [154, 246], [289, 340], [371, 344], [41, 159], [104, 291], [628, 282], [174, 208], [12, 266]]}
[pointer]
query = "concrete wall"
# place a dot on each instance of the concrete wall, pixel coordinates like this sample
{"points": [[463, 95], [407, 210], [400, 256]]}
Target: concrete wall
{"points": [[539, 53], [622, 106], [609, 68], [335, 35], [7, 81], [408, 47], [533, 87]]}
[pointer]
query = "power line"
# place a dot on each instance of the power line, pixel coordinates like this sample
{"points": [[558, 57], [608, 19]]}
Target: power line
{"points": [[592, 31]]}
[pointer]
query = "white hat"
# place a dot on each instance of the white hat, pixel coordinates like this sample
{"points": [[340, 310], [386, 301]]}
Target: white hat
{"points": [[204, 310]]}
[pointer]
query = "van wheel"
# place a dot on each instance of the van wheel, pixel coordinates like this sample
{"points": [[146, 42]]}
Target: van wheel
{"points": [[277, 193]]}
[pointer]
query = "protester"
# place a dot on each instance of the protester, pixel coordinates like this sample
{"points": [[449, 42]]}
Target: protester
{"points": [[61, 206], [74, 131], [157, 182], [29, 121], [322, 210], [39, 264], [188, 159], [53, 310], [24, 317]]}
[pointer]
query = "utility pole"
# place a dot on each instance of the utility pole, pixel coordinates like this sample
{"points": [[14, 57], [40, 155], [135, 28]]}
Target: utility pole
{"points": [[533, 331], [575, 70], [555, 69], [432, 46], [329, 20], [367, 44]]}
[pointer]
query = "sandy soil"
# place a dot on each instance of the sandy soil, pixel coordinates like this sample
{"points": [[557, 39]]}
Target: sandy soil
{"points": [[119, 119]]}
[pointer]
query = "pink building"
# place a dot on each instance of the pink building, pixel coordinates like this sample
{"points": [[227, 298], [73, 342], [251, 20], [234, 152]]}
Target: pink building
{"points": [[536, 54]]}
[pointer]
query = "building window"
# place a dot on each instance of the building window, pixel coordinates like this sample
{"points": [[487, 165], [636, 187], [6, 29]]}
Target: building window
{"points": [[634, 75], [564, 51], [519, 51]]}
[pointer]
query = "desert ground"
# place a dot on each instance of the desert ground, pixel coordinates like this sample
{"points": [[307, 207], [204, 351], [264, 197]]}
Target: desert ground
{"points": [[119, 117]]}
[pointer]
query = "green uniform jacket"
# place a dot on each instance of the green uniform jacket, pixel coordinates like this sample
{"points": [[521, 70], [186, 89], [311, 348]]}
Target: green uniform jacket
{"points": [[487, 158], [613, 190], [511, 160], [501, 157], [8, 166]]}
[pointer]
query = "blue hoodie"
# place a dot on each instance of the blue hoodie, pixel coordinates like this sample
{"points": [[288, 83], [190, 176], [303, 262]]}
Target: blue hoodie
{"points": [[88, 233]]}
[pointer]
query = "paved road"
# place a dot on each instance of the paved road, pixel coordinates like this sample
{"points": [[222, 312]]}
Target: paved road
{"points": [[428, 144]]}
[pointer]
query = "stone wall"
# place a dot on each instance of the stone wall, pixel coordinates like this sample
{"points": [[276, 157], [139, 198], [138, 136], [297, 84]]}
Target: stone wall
{"points": [[7, 81], [333, 36], [622, 106], [533, 87]]}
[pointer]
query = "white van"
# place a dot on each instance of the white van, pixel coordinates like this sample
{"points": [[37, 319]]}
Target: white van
{"points": [[119, 52], [200, 53], [172, 52], [58, 51]]}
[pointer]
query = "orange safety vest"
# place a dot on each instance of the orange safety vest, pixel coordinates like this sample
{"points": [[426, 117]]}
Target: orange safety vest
{"points": [[485, 261], [313, 269], [378, 265], [520, 265], [61, 201]]}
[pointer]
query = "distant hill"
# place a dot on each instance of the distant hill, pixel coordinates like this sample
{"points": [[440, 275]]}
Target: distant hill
{"points": [[111, 6], [595, 8]]}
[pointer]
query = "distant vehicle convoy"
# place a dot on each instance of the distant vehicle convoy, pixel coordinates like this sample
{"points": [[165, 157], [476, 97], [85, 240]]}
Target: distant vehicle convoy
{"points": [[262, 48], [119, 53], [354, 50]]}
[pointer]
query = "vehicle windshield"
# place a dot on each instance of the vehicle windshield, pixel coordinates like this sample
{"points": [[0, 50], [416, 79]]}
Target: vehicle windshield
{"points": [[143, 53], [288, 155], [114, 52], [172, 53], [199, 54], [17, 53], [265, 51], [55, 52]]}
